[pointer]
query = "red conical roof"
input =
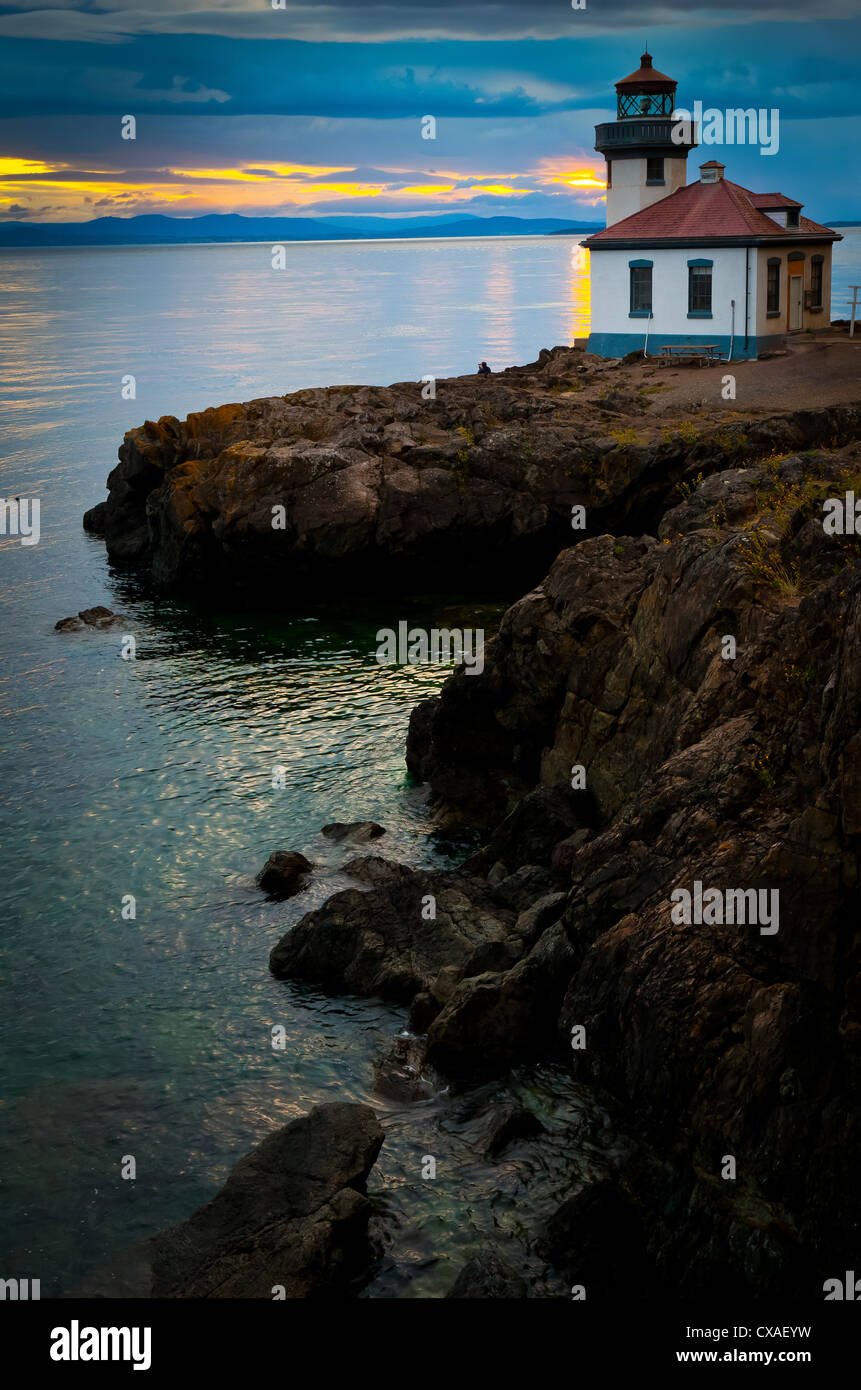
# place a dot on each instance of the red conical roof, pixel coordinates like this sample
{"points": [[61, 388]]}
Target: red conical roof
{"points": [[647, 78]]}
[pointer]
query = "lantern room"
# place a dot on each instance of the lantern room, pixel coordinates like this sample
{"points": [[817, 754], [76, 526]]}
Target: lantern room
{"points": [[645, 92]]}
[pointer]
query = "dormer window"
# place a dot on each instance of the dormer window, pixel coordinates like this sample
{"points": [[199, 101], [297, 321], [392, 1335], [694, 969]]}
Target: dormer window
{"points": [[792, 217]]}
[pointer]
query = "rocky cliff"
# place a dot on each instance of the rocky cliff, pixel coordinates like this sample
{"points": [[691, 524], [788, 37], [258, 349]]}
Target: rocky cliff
{"points": [[673, 710], [371, 485], [700, 687]]}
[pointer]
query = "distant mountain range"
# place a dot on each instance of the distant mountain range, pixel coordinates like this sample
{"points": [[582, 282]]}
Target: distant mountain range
{"points": [[156, 229]]}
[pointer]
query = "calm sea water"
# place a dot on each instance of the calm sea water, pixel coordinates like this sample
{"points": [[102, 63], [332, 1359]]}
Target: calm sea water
{"points": [[151, 1036]]}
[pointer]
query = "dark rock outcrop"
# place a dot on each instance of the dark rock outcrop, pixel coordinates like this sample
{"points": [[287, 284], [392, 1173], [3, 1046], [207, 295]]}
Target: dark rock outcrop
{"points": [[674, 706], [94, 519], [493, 1020], [284, 874], [397, 938], [373, 869], [534, 827], [737, 771], [293, 1214]]}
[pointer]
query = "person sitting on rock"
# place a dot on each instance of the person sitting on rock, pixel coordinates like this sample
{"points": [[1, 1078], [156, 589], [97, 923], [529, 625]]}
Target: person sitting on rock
{"points": [[483, 369]]}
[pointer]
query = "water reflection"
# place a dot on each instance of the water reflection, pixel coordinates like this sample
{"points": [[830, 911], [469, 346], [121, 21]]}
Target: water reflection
{"points": [[581, 293]]}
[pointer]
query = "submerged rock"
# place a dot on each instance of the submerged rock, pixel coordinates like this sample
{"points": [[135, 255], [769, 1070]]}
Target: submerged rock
{"points": [[293, 1214], [358, 830], [98, 617], [488, 1276], [401, 1074], [504, 1123]]}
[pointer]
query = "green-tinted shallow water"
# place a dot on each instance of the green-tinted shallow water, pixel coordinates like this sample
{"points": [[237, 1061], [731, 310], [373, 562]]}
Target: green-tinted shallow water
{"points": [[152, 1036]]}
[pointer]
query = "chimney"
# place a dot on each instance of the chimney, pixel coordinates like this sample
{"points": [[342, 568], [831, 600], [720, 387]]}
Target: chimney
{"points": [[712, 171]]}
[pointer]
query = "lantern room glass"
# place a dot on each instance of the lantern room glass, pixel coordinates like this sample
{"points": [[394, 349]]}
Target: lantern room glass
{"points": [[645, 104]]}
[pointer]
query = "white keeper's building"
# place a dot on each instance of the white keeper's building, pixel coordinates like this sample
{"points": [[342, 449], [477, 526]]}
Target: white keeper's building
{"points": [[694, 263]]}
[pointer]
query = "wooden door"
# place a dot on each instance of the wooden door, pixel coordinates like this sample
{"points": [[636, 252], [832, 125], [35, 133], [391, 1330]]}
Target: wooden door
{"points": [[796, 302]]}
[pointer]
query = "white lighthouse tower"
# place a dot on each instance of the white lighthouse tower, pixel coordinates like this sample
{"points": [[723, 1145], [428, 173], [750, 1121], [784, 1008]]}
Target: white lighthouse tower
{"points": [[644, 163]]}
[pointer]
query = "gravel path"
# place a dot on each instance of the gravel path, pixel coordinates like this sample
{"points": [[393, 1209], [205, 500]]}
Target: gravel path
{"points": [[821, 370]]}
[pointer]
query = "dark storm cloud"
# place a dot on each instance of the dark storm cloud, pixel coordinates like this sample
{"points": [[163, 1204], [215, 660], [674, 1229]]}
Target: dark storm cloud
{"points": [[511, 83], [112, 21], [807, 70]]}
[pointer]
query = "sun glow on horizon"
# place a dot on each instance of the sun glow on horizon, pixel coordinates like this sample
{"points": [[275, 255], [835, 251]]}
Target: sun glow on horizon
{"points": [[53, 192]]}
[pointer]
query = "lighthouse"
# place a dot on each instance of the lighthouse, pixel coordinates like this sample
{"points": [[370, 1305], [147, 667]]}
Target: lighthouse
{"points": [[709, 266], [644, 162]]}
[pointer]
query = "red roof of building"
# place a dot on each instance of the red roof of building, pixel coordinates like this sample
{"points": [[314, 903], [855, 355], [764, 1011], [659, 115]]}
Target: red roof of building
{"points": [[773, 200], [706, 210], [646, 76]]}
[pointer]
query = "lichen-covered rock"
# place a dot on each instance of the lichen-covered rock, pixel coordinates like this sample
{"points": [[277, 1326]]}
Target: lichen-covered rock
{"points": [[359, 484]]}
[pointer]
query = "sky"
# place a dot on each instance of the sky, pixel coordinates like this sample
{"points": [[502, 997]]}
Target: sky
{"points": [[276, 108]]}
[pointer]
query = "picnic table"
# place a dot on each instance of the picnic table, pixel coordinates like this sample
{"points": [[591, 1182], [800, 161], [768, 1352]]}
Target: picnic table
{"points": [[703, 353]]}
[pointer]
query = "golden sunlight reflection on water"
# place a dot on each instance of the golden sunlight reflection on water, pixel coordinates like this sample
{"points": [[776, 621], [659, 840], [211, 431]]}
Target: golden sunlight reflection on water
{"points": [[581, 292]]}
